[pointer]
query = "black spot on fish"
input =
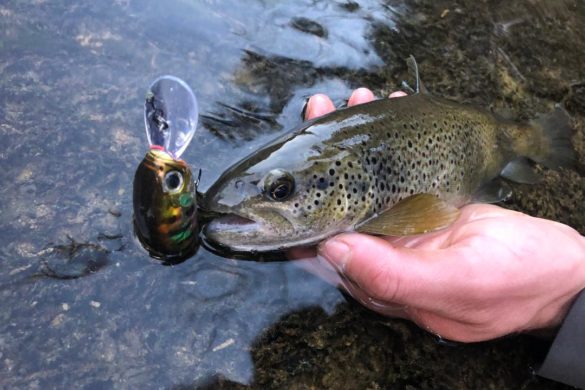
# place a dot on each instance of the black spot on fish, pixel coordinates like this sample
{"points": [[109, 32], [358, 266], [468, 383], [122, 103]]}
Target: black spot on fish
{"points": [[322, 184]]}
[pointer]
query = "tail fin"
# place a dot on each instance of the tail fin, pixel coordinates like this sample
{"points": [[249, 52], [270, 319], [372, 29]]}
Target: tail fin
{"points": [[556, 129]]}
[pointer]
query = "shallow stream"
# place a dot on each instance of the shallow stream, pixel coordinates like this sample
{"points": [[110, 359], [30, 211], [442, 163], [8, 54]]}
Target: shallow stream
{"points": [[83, 306]]}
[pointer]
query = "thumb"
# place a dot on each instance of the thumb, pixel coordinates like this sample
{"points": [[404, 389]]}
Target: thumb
{"points": [[410, 277]]}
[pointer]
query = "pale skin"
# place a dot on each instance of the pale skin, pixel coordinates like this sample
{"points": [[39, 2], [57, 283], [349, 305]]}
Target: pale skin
{"points": [[493, 272]]}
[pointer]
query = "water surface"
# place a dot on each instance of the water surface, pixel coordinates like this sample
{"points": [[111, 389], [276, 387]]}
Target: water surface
{"points": [[82, 305]]}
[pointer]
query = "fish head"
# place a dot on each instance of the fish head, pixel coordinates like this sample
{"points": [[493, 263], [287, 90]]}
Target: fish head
{"points": [[165, 207], [283, 196]]}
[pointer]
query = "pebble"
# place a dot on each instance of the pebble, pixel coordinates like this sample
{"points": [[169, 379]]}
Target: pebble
{"points": [[58, 320], [223, 345]]}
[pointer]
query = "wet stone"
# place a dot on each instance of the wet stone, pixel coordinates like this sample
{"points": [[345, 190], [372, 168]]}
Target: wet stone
{"points": [[576, 99], [309, 26], [350, 6], [215, 283], [72, 261], [28, 189]]}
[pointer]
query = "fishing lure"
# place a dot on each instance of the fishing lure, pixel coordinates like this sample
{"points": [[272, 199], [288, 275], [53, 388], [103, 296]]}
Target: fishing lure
{"points": [[164, 195]]}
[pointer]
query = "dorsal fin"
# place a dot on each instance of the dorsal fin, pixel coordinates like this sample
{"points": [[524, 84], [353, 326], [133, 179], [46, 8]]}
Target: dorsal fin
{"points": [[413, 72]]}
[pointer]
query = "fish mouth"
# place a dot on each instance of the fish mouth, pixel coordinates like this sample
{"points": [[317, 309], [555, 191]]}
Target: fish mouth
{"points": [[264, 231], [231, 223], [233, 232]]}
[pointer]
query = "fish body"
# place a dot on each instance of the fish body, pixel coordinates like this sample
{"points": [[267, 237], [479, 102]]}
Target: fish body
{"points": [[164, 198], [392, 166]]}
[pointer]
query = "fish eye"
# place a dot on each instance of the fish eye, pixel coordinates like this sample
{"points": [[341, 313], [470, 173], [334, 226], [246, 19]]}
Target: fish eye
{"points": [[173, 182], [279, 185]]}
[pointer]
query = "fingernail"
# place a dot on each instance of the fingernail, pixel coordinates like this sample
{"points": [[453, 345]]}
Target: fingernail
{"points": [[336, 252], [397, 94], [309, 108], [318, 105], [360, 96]]}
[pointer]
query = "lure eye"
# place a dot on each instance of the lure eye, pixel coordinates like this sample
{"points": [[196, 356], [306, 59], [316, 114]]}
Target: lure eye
{"points": [[279, 185], [173, 182]]}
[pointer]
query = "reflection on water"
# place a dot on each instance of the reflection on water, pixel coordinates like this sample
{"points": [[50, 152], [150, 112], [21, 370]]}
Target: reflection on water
{"points": [[73, 78]]}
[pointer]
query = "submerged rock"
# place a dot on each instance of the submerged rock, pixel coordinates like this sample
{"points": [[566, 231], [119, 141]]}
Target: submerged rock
{"points": [[73, 260], [309, 26]]}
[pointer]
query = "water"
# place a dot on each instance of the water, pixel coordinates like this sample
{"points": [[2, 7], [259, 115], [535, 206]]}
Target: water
{"points": [[82, 305]]}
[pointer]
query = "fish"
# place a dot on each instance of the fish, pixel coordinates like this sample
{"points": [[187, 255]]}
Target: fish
{"points": [[394, 167], [165, 206]]}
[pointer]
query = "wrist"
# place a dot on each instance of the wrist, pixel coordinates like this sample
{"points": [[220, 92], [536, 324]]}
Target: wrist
{"points": [[564, 285], [578, 271]]}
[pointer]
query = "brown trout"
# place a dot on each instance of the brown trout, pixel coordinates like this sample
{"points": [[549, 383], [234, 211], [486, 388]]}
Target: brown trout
{"points": [[165, 206], [390, 167]]}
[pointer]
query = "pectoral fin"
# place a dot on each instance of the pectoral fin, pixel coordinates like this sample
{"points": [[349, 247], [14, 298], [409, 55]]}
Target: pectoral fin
{"points": [[416, 214]]}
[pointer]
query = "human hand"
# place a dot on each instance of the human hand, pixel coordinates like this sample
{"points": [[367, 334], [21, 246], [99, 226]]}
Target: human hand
{"points": [[492, 273]]}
